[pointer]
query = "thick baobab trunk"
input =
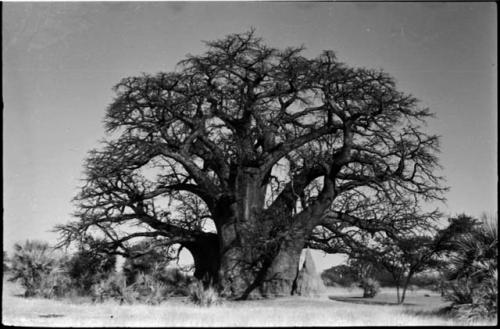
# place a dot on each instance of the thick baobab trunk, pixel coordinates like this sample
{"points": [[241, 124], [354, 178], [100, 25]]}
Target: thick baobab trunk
{"points": [[263, 260], [282, 274], [259, 250], [240, 236], [255, 270]]}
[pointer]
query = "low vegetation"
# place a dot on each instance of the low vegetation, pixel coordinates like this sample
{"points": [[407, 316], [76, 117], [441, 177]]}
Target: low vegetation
{"points": [[370, 286], [36, 267], [45, 272], [473, 272], [88, 267], [203, 296], [467, 279]]}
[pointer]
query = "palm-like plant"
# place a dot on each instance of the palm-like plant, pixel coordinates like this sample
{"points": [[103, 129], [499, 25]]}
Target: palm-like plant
{"points": [[474, 289], [30, 264]]}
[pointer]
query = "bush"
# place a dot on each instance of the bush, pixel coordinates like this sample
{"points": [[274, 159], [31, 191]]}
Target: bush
{"points": [[371, 287], [150, 290], [56, 284], [473, 290], [201, 296], [113, 287], [149, 258], [31, 265], [147, 289], [88, 267], [176, 281], [471, 301]]}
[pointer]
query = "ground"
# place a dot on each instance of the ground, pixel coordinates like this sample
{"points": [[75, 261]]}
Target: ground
{"points": [[337, 307]]}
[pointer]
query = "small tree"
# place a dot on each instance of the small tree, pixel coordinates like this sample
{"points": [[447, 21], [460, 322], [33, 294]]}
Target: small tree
{"points": [[406, 253]]}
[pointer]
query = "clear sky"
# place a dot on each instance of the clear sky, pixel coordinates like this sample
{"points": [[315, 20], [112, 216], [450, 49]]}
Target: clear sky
{"points": [[60, 61]]}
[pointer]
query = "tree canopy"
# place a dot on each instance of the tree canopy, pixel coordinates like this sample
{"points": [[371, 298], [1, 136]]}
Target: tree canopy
{"points": [[247, 153]]}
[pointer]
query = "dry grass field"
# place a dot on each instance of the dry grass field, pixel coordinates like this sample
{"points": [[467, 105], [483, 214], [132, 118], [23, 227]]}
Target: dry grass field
{"points": [[338, 307]]}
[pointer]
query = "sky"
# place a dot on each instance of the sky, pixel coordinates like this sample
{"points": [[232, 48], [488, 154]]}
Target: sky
{"points": [[61, 60]]}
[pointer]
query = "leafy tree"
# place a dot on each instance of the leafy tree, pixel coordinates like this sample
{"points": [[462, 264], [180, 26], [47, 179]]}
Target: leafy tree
{"points": [[240, 153], [406, 253]]}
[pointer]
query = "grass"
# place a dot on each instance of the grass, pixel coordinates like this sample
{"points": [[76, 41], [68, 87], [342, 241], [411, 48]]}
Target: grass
{"points": [[292, 311]]}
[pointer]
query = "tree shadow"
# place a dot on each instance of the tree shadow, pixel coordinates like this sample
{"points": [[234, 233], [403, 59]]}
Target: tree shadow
{"points": [[440, 312], [366, 301]]}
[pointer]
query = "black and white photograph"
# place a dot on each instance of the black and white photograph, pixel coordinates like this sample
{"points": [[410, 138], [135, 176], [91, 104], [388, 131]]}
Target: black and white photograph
{"points": [[249, 163]]}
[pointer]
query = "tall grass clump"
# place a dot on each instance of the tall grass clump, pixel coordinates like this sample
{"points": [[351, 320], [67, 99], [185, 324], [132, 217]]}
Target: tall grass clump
{"points": [[203, 296], [113, 287], [150, 290], [146, 290], [177, 282], [473, 289], [57, 284]]}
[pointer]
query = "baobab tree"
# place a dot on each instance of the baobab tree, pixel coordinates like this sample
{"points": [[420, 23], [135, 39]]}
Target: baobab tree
{"points": [[267, 146]]}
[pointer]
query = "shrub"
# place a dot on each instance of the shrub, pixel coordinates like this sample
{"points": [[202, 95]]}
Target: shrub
{"points": [[176, 281], [201, 296], [371, 287], [474, 301], [147, 257], [149, 290], [88, 267], [473, 290], [113, 287], [31, 264], [56, 284]]}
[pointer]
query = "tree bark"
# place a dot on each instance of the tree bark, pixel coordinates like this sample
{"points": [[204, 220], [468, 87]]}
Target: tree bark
{"points": [[241, 236], [282, 274], [260, 249], [405, 287], [256, 270]]}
